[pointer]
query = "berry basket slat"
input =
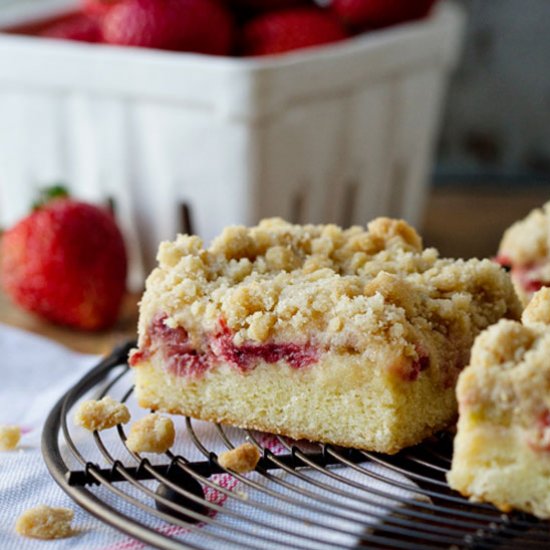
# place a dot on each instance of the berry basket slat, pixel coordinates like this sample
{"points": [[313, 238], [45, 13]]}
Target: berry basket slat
{"points": [[340, 133]]}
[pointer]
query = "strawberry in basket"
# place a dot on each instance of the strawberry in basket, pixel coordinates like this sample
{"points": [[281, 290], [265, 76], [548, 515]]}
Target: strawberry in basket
{"points": [[203, 26], [265, 5], [97, 8], [77, 26], [66, 262], [290, 29], [369, 14]]}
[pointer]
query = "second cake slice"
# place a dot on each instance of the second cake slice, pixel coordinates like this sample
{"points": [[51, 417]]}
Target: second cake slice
{"points": [[350, 337]]}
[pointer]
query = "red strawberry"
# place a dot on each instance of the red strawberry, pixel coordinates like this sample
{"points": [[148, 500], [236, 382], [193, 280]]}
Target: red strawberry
{"points": [[97, 8], [203, 26], [66, 262], [77, 26], [362, 14], [265, 5], [291, 29]]}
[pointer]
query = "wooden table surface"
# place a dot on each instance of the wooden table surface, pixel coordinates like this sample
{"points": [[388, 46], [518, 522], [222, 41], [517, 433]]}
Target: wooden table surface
{"points": [[462, 221], [85, 342]]}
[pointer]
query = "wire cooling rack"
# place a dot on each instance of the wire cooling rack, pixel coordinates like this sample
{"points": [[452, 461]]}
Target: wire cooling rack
{"points": [[324, 507]]}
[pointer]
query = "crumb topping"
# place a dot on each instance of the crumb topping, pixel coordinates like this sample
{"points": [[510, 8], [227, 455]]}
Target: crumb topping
{"points": [[101, 415], [509, 373], [9, 437], [338, 288], [528, 241], [45, 522], [242, 459], [538, 310], [151, 434], [525, 247]]}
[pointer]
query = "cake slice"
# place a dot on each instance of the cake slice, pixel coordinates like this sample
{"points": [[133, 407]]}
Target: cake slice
{"points": [[525, 249], [353, 337], [502, 447]]}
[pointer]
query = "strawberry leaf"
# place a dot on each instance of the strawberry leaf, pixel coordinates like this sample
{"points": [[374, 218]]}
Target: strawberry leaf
{"points": [[48, 194]]}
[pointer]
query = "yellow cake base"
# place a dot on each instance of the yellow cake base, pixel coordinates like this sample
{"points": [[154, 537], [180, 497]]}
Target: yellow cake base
{"points": [[502, 447], [342, 399], [495, 464]]}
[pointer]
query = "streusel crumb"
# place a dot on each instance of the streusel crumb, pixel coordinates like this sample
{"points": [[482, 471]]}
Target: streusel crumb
{"points": [[9, 437], [525, 250], [151, 434], [242, 459], [279, 281], [101, 415], [538, 310], [45, 522], [528, 241]]}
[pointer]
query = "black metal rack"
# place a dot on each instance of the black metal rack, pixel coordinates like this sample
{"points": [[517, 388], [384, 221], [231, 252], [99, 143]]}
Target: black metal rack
{"points": [[434, 517]]}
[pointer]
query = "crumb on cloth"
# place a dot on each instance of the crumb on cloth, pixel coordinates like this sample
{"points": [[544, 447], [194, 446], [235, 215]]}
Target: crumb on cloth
{"points": [[45, 522], [9, 437]]}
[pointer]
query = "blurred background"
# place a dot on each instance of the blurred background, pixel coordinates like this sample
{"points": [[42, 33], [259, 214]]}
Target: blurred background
{"points": [[497, 119], [435, 111], [493, 156]]}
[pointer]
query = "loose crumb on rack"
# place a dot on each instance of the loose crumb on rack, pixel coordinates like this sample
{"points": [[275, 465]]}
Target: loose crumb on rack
{"points": [[45, 522], [151, 434], [242, 459], [9, 437], [101, 415]]}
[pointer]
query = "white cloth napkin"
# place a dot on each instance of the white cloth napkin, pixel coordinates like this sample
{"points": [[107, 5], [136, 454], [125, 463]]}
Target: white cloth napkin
{"points": [[35, 372]]}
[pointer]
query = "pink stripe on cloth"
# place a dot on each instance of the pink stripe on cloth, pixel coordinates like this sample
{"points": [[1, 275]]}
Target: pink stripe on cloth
{"points": [[23, 429], [211, 494], [272, 443]]}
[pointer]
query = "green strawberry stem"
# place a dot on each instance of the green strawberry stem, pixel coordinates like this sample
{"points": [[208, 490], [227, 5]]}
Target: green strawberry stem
{"points": [[48, 194]]}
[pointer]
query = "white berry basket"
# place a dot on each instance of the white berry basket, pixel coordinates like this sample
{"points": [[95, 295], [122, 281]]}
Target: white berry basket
{"points": [[341, 133]]}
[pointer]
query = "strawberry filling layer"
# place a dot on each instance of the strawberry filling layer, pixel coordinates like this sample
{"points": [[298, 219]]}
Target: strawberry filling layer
{"points": [[183, 360], [523, 274], [408, 369], [178, 354], [418, 366], [540, 440], [246, 356]]}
